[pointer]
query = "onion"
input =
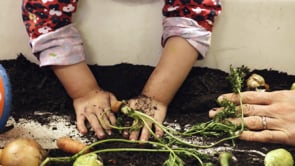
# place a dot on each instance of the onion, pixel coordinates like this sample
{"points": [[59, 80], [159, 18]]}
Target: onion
{"points": [[279, 157], [22, 151], [90, 159], [255, 81]]}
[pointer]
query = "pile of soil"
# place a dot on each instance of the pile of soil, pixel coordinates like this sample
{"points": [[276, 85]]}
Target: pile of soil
{"points": [[36, 88]]}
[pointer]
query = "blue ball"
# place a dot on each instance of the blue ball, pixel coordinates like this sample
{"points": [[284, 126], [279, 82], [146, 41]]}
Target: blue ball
{"points": [[5, 98]]}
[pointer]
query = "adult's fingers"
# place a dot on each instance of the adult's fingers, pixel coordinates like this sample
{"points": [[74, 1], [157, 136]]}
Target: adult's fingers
{"points": [[256, 110], [248, 110], [269, 136], [214, 111], [249, 97], [258, 122], [254, 103]]}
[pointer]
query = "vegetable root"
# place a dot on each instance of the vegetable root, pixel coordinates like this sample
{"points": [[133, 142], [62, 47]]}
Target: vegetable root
{"points": [[70, 145], [224, 158], [116, 106], [22, 151]]}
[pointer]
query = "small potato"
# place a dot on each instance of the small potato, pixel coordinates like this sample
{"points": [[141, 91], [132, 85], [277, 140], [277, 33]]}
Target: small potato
{"points": [[22, 152]]}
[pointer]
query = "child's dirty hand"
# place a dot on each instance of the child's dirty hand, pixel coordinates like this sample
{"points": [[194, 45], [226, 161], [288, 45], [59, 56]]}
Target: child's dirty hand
{"points": [[152, 108], [95, 107]]}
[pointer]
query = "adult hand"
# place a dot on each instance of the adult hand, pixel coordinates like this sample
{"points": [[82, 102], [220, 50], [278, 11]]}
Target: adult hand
{"points": [[152, 108], [95, 107], [269, 116]]}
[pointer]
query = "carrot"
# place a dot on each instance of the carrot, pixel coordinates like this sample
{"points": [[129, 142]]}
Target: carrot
{"points": [[116, 106], [69, 145]]}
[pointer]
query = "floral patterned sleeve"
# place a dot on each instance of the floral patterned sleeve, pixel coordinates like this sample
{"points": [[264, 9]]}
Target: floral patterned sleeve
{"points": [[192, 20], [53, 38]]}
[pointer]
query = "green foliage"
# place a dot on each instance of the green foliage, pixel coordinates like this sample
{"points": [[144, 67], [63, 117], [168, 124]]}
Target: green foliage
{"points": [[229, 111], [219, 125], [236, 77], [173, 160], [224, 158], [212, 128], [88, 160]]}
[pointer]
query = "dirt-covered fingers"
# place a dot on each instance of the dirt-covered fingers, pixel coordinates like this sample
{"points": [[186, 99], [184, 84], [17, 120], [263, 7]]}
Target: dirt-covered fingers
{"points": [[134, 135], [126, 130], [156, 112], [142, 134], [80, 118], [99, 119], [94, 117], [270, 136], [146, 132], [159, 118], [134, 132], [106, 119], [156, 130], [109, 117]]}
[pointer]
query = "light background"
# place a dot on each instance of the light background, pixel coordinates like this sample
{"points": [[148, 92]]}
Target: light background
{"points": [[256, 33]]}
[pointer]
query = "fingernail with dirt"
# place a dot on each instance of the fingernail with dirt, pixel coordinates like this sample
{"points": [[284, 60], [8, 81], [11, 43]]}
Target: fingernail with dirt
{"points": [[213, 109]]}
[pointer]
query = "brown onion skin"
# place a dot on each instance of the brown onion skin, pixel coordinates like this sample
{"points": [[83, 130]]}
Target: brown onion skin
{"points": [[22, 152]]}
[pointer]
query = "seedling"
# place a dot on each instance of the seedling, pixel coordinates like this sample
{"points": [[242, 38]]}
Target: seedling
{"points": [[219, 125]]}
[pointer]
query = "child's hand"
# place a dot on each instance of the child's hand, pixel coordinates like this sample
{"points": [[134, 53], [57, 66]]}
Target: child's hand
{"points": [[96, 109], [152, 108]]}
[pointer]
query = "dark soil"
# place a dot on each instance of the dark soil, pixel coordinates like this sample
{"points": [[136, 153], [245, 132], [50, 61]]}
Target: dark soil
{"points": [[37, 88]]}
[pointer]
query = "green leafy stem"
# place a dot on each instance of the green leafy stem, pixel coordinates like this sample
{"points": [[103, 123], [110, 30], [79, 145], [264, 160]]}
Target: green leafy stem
{"points": [[173, 159]]}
